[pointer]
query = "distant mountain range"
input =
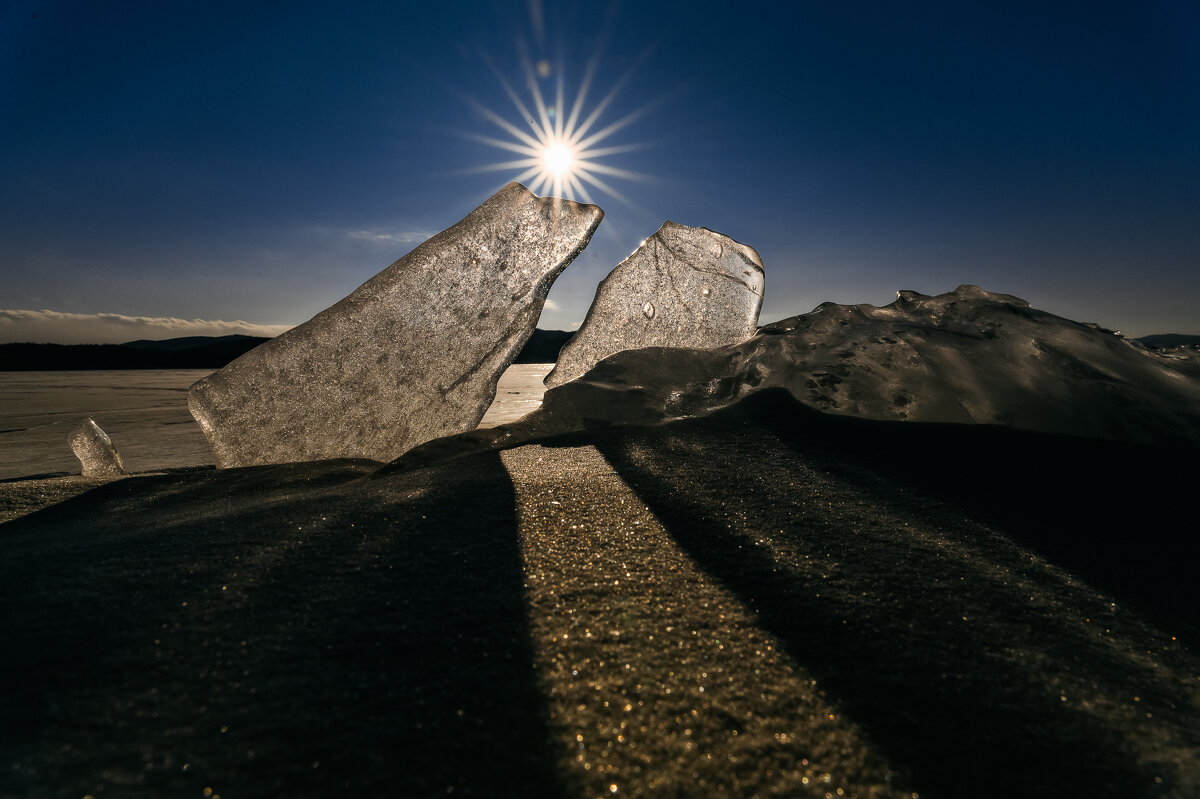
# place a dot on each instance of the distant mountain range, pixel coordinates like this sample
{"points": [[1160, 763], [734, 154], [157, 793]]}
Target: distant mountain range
{"points": [[1164, 341], [192, 352]]}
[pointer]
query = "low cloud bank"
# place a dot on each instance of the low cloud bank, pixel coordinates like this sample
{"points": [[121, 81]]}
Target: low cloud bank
{"points": [[57, 327], [390, 236]]}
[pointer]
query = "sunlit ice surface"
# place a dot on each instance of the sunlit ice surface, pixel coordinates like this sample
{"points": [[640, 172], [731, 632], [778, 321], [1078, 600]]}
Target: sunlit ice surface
{"points": [[560, 144]]}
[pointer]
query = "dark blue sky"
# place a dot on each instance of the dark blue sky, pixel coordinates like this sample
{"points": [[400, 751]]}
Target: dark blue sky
{"points": [[258, 161]]}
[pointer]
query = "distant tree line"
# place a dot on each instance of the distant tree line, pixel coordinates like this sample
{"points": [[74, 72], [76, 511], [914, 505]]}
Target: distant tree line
{"points": [[196, 352], [50, 357]]}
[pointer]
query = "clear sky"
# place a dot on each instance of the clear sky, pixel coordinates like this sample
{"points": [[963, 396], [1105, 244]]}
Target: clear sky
{"points": [[258, 161]]}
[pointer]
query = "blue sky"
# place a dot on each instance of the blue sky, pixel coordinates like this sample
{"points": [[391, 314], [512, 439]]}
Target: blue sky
{"points": [[259, 161]]}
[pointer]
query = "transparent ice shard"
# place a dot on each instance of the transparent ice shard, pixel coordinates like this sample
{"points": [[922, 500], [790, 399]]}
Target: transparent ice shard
{"points": [[683, 287], [412, 354], [95, 450]]}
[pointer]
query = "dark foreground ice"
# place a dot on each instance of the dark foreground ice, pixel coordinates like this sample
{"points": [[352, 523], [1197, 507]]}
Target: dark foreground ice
{"points": [[411, 355], [768, 601]]}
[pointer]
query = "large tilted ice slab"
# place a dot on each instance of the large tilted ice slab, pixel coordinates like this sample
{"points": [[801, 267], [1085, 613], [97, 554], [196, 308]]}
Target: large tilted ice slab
{"points": [[411, 355], [967, 357], [683, 287]]}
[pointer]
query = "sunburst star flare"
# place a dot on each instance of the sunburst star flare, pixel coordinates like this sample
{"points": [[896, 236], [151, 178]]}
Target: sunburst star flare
{"points": [[560, 150]]}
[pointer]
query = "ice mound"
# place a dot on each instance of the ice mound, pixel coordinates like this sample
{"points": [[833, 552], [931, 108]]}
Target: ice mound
{"points": [[412, 354], [97, 454], [1181, 353], [969, 357], [683, 287]]}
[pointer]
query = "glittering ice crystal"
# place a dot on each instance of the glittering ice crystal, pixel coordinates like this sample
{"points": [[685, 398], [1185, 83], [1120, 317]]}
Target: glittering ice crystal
{"points": [[95, 450], [412, 354], [683, 287]]}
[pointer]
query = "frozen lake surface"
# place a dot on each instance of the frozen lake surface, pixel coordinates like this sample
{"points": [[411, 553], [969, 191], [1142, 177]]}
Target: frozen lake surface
{"points": [[145, 413]]}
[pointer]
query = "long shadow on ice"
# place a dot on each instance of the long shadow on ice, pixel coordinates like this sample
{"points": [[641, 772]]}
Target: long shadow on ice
{"points": [[1123, 515], [282, 630], [980, 668]]}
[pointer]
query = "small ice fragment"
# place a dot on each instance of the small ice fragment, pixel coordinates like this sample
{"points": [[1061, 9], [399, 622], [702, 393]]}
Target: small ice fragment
{"points": [[95, 450], [683, 287], [411, 355]]}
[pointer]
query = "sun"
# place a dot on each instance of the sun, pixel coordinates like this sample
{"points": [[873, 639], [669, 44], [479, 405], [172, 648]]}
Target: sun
{"points": [[559, 147], [558, 158]]}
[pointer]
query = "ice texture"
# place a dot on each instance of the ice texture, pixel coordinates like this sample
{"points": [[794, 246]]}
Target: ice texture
{"points": [[968, 357], [412, 354], [95, 450], [683, 287]]}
